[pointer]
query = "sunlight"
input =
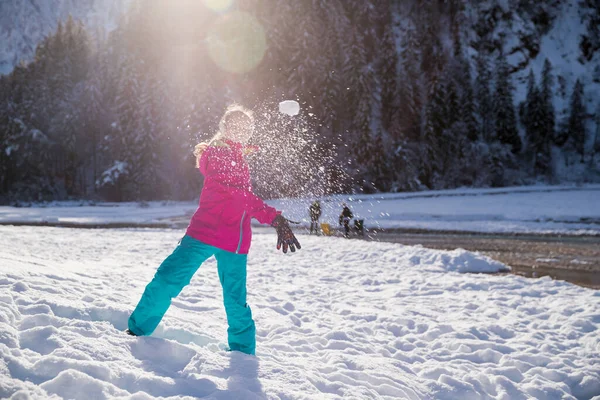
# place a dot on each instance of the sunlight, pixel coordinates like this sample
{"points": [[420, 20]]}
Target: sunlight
{"points": [[237, 42], [218, 5]]}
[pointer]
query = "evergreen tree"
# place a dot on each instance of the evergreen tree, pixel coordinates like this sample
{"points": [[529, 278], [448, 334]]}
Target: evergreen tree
{"points": [[380, 167], [433, 57], [58, 68], [359, 85], [433, 139], [128, 123], [547, 121], [145, 155], [596, 149], [364, 97], [576, 129], [4, 121], [531, 98], [536, 128], [44, 107], [546, 93], [504, 112], [485, 106], [387, 65], [454, 136], [68, 127], [307, 52], [95, 114], [410, 111], [405, 171], [467, 103], [364, 148], [78, 50], [460, 73], [334, 107]]}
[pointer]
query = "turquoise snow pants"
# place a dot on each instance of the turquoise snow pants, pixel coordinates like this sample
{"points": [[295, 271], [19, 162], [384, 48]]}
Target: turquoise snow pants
{"points": [[176, 272]]}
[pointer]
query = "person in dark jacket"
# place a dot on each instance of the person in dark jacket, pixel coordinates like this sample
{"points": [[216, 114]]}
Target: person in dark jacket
{"points": [[315, 213], [345, 218]]}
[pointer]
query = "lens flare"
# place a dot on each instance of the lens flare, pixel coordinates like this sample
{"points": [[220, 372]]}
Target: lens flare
{"points": [[237, 42], [218, 5]]}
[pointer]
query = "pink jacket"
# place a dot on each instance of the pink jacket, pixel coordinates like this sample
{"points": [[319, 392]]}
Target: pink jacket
{"points": [[227, 203]]}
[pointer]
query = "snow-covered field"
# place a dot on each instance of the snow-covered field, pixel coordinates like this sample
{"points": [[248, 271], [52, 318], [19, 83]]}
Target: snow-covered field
{"points": [[339, 319], [534, 209], [103, 213]]}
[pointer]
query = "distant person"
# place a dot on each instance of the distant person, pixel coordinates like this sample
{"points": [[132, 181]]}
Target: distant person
{"points": [[315, 213], [220, 228], [345, 218]]}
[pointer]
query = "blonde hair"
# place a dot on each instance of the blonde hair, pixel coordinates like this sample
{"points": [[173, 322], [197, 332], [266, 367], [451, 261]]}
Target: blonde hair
{"points": [[231, 111], [198, 150]]}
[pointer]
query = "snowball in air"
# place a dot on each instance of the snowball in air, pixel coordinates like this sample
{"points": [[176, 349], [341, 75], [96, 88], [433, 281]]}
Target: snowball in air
{"points": [[289, 107]]}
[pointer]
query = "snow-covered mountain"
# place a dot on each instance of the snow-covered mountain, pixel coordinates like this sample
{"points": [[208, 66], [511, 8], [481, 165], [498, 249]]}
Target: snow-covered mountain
{"points": [[23, 23], [563, 31]]}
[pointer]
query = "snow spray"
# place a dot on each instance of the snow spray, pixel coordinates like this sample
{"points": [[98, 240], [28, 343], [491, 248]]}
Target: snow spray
{"points": [[292, 161]]}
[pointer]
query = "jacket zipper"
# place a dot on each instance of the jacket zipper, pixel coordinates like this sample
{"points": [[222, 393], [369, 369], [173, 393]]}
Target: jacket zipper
{"points": [[241, 232]]}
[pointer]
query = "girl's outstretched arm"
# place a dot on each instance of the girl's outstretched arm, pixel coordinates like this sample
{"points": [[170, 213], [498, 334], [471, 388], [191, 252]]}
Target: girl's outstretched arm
{"points": [[258, 209], [268, 215]]}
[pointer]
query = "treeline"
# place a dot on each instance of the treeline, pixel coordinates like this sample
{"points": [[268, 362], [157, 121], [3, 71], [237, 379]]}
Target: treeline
{"points": [[392, 87]]}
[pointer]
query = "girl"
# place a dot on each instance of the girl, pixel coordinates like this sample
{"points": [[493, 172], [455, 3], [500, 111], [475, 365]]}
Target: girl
{"points": [[220, 227]]}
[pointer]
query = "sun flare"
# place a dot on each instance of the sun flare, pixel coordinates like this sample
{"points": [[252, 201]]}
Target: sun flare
{"points": [[218, 5], [237, 42]]}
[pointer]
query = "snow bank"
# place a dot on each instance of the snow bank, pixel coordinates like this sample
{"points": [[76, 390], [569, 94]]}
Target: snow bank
{"points": [[339, 319], [458, 260], [424, 259]]}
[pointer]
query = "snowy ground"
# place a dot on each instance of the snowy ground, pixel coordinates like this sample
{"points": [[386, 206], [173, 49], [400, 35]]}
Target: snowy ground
{"points": [[337, 319], [535, 209], [102, 213]]}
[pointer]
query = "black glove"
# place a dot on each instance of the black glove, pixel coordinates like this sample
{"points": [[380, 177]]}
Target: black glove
{"points": [[285, 236]]}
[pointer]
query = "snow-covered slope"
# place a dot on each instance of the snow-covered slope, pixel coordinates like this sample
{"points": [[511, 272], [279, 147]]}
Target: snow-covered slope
{"points": [[24, 23], [561, 46], [528, 34]]}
